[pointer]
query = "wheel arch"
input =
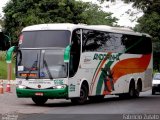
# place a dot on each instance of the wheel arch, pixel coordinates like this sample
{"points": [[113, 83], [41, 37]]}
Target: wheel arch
{"points": [[84, 82], [83, 91]]}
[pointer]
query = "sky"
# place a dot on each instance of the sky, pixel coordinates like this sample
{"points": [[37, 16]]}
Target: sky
{"points": [[2, 4], [119, 9], [126, 14]]}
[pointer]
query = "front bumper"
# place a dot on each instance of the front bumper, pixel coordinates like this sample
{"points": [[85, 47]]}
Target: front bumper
{"points": [[48, 93]]}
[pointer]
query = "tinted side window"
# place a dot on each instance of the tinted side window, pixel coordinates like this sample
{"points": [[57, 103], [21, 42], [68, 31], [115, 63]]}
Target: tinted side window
{"points": [[92, 40], [100, 41], [113, 43], [137, 44]]}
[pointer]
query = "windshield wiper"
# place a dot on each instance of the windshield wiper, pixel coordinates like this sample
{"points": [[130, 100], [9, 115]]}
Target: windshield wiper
{"points": [[46, 66], [48, 71]]}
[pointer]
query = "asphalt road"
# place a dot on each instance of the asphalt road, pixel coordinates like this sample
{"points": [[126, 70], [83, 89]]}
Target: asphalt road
{"points": [[112, 107]]}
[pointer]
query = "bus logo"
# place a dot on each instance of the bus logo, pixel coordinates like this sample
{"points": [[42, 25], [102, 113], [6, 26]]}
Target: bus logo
{"points": [[111, 57]]}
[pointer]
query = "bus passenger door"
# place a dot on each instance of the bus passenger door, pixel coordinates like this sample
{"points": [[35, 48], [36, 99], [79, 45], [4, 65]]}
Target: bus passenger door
{"points": [[75, 53]]}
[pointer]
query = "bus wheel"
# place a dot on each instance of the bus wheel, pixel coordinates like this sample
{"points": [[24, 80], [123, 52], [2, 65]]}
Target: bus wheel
{"points": [[39, 100], [83, 96], [153, 92], [137, 91], [136, 94], [131, 93]]}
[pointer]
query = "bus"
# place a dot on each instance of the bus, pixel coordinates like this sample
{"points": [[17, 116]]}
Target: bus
{"points": [[81, 62]]}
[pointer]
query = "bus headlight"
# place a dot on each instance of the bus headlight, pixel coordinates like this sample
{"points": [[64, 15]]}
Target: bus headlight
{"points": [[59, 86], [21, 86]]}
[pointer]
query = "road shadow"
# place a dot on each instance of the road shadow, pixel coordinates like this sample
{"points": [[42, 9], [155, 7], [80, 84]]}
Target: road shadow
{"points": [[108, 100], [70, 117], [157, 93]]}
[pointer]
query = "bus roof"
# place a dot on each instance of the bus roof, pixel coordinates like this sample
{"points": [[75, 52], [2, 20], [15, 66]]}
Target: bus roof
{"points": [[71, 27]]}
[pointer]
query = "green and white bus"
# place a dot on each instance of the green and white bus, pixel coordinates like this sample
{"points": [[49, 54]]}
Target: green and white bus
{"points": [[80, 62]]}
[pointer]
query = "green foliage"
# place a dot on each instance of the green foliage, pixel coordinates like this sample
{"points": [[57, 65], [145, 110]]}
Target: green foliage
{"points": [[148, 6], [3, 70], [2, 55], [21, 13], [150, 21], [96, 16]]}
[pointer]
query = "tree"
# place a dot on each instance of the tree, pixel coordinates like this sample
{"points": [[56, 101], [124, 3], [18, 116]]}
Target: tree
{"points": [[150, 21], [95, 16], [146, 5], [21, 13]]}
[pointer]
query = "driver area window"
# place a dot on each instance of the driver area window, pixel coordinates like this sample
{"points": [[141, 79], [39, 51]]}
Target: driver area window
{"points": [[75, 52]]}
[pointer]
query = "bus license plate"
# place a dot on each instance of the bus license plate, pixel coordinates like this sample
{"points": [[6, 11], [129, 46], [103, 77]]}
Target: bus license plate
{"points": [[39, 94]]}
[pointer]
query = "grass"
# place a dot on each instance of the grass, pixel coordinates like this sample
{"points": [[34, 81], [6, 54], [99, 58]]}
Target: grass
{"points": [[3, 70], [3, 66]]}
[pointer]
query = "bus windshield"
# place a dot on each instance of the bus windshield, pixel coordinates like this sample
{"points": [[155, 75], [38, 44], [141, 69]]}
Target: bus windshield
{"points": [[44, 38], [41, 54], [41, 63]]}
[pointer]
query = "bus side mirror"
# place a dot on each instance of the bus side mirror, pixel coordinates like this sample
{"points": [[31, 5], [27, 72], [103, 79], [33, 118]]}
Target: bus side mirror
{"points": [[9, 53], [67, 54]]}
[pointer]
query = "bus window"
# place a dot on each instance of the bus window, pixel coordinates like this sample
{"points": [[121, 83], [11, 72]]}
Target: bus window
{"points": [[101, 41], [137, 44], [47, 38], [75, 52], [92, 40]]}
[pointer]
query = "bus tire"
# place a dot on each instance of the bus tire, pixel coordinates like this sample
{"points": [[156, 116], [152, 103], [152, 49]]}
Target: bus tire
{"points": [[39, 100], [138, 89], [153, 92], [83, 96], [131, 93]]}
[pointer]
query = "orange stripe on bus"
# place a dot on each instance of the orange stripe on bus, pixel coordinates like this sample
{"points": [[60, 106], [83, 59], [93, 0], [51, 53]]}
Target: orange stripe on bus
{"points": [[131, 65]]}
